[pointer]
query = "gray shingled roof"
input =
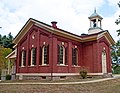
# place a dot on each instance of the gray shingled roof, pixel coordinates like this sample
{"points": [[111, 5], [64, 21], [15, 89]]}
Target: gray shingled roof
{"points": [[95, 14]]}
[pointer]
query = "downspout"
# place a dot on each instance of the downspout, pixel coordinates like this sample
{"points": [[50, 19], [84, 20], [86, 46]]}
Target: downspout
{"points": [[52, 55], [54, 26]]}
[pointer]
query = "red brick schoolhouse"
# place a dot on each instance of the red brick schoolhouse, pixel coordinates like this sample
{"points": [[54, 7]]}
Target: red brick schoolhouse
{"points": [[45, 51]]}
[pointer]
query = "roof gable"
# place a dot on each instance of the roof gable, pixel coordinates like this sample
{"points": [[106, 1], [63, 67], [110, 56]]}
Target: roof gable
{"points": [[47, 27], [60, 32], [108, 37]]}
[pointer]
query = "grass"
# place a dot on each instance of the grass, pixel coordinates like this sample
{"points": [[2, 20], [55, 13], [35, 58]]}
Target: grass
{"points": [[110, 86]]}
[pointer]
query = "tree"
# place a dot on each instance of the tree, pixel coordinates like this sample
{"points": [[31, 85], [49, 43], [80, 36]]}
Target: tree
{"points": [[6, 46], [115, 53], [118, 20], [3, 53], [3, 61], [9, 41], [6, 41], [0, 39]]}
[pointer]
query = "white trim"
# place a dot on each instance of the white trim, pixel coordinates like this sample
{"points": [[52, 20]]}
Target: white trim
{"points": [[65, 74], [53, 30], [44, 65], [34, 74], [97, 73], [75, 66], [63, 60], [43, 54], [31, 57], [22, 66], [48, 74], [22, 32], [32, 46], [32, 65], [23, 48], [76, 53], [15, 46], [103, 35], [62, 65], [63, 55], [22, 59], [56, 74], [104, 60], [11, 55], [63, 43]]}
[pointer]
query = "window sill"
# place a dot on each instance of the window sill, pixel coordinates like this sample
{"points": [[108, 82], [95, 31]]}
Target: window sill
{"points": [[31, 65], [44, 65], [22, 66], [62, 65], [75, 66]]}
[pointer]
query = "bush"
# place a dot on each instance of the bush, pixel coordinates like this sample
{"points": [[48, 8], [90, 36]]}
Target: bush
{"points": [[83, 73], [8, 77], [116, 70], [0, 74]]}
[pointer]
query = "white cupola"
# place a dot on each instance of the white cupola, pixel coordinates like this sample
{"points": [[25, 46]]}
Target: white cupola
{"points": [[95, 23]]}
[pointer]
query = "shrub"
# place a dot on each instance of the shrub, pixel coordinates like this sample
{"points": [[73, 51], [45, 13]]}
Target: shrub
{"points": [[83, 73], [0, 74], [117, 70], [8, 77]]}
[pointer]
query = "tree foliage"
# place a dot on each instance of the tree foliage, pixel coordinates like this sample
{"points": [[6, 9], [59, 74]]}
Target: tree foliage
{"points": [[6, 47], [6, 41], [3, 53], [115, 53], [118, 20]]}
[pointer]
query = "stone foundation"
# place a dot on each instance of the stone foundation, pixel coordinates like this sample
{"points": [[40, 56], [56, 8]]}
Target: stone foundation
{"points": [[57, 77]]}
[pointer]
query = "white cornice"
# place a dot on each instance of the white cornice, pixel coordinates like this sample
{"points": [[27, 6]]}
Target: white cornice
{"points": [[65, 34]]}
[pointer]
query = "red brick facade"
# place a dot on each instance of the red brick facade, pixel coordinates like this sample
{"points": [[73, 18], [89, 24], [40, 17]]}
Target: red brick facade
{"points": [[37, 34]]}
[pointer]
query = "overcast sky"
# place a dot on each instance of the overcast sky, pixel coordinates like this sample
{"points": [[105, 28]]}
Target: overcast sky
{"points": [[71, 15]]}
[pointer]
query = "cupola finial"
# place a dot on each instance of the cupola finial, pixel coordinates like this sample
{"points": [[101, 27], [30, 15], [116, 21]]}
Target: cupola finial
{"points": [[95, 10], [95, 23]]}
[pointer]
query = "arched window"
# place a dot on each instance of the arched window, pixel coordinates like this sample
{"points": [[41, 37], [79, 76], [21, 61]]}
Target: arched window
{"points": [[45, 55], [23, 59], [33, 56], [61, 55], [74, 56]]}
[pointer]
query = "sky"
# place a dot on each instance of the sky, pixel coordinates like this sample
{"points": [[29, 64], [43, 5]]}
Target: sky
{"points": [[71, 15]]}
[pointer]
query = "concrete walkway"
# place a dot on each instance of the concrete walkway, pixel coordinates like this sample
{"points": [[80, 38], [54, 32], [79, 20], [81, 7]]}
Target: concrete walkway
{"points": [[59, 83], [116, 76]]}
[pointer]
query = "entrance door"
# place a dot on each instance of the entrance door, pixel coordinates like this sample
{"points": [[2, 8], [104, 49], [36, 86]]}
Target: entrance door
{"points": [[104, 67]]}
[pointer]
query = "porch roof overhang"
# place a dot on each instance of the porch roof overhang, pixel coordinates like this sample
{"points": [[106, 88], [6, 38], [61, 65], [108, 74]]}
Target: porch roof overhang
{"points": [[11, 55]]}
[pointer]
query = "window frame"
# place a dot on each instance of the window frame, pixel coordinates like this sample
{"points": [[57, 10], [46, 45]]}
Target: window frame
{"points": [[61, 54], [31, 61], [45, 55], [23, 58], [75, 56]]}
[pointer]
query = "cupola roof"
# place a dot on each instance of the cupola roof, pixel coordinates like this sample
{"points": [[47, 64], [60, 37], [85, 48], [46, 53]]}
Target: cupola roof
{"points": [[95, 15]]}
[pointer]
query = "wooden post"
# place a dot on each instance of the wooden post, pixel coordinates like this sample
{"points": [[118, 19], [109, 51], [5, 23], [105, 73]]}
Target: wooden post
{"points": [[8, 66]]}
